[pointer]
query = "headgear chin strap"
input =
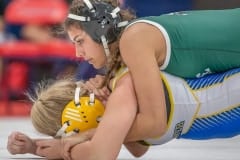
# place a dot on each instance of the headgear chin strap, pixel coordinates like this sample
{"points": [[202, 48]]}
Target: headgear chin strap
{"points": [[80, 114], [101, 21]]}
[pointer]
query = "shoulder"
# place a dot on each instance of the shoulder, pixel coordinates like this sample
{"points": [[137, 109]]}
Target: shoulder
{"points": [[137, 30], [141, 31], [141, 39]]}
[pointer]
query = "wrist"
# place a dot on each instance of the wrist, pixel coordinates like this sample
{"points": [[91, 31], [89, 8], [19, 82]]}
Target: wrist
{"points": [[33, 148]]}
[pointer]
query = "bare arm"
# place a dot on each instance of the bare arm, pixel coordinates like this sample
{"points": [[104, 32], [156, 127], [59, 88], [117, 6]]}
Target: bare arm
{"points": [[120, 112], [109, 136], [135, 148], [143, 58], [19, 143], [59, 148]]}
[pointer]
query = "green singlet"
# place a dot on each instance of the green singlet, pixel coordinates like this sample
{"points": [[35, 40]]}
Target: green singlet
{"points": [[199, 42]]}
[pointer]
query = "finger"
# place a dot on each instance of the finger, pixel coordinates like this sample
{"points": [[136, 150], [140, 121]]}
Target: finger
{"points": [[66, 144], [16, 133], [106, 91], [14, 141], [67, 156], [39, 151], [89, 86], [103, 95], [21, 137], [12, 136], [18, 143], [66, 148], [98, 93], [66, 152], [96, 82], [13, 149], [99, 76]]}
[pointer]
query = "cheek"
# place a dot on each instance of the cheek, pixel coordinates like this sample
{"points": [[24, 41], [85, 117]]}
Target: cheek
{"points": [[100, 59], [98, 51]]}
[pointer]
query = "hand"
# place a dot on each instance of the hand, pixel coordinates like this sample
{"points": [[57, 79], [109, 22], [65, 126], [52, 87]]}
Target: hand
{"points": [[60, 148], [50, 148], [95, 85], [19, 143], [69, 142], [75, 151]]}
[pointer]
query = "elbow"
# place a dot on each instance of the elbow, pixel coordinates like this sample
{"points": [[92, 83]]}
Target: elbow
{"points": [[137, 149], [158, 129], [162, 129], [138, 154]]}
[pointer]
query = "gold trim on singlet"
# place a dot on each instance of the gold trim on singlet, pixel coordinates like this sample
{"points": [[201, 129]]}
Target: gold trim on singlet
{"points": [[120, 73]]}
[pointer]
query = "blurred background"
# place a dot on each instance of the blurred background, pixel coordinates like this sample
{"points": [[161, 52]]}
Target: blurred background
{"points": [[32, 49]]}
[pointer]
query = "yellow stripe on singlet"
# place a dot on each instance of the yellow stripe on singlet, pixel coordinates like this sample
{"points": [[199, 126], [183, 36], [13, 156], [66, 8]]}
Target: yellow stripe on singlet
{"points": [[169, 92], [120, 73]]}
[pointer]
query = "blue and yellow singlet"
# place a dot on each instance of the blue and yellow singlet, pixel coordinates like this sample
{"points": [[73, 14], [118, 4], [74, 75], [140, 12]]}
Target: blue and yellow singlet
{"points": [[201, 108]]}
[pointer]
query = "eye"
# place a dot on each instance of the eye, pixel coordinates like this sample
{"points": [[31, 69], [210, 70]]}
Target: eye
{"points": [[80, 41]]}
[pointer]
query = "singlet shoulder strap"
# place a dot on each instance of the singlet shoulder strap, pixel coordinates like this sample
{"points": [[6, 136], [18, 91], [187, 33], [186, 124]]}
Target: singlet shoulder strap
{"points": [[120, 73]]}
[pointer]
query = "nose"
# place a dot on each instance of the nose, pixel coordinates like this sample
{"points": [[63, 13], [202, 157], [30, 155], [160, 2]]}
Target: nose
{"points": [[79, 51]]}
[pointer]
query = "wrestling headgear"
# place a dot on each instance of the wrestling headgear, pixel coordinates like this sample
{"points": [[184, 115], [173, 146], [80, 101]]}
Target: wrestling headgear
{"points": [[80, 114], [101, 21]]}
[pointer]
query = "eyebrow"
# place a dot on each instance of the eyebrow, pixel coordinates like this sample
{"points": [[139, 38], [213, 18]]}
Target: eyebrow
{"points": [[74, 39], [79, 35]]}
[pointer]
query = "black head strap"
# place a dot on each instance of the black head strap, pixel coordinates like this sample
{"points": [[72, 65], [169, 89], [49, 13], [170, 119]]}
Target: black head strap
{"points": [[100, 19]]}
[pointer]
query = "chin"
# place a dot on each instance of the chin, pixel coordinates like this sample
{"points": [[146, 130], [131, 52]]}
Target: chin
{"points": [[97, 66]]}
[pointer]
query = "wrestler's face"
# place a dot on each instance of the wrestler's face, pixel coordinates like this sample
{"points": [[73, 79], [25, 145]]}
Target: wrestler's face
{"points": [[86, 47]]}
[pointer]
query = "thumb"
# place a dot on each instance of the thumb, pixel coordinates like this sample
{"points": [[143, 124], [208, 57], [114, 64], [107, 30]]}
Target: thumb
{"points": [[20, 137]]}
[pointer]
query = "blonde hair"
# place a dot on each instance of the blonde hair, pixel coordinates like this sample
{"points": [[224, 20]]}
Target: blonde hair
{"points": [[114, 59], [48, 103]]}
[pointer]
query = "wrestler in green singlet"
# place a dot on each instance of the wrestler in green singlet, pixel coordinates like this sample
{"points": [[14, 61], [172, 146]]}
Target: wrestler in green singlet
{"points": [[200, 42]]}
